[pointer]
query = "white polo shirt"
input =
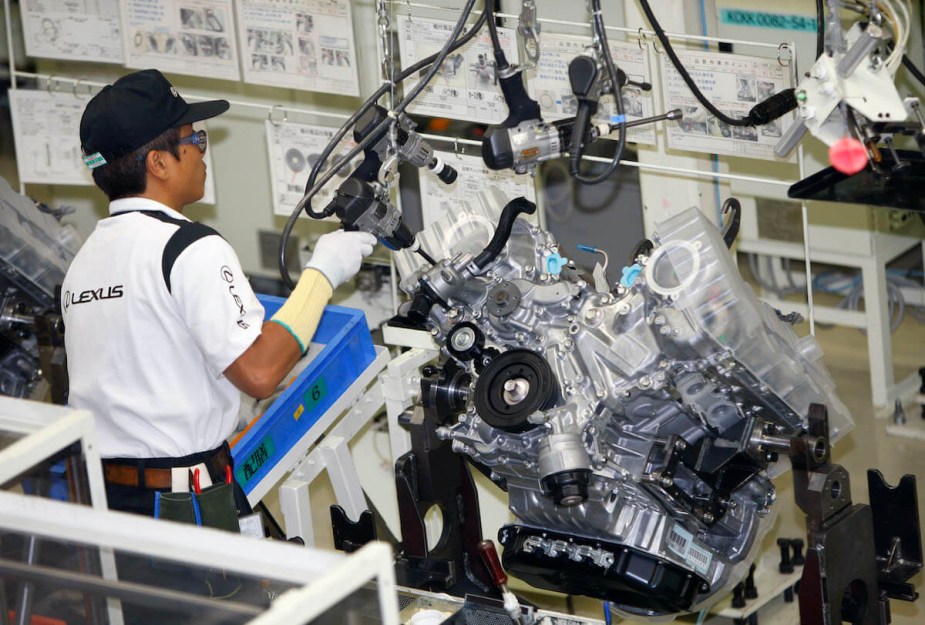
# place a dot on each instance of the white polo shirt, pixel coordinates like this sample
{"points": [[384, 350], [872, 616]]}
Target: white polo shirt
{"points": [[148, 362]]}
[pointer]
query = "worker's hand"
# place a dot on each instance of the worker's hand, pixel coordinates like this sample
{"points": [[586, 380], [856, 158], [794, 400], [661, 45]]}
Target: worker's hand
{"points": [[338, 255]]}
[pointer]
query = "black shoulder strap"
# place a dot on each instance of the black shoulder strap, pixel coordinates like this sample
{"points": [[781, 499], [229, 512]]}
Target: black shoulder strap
{"points": [[188, 232]]}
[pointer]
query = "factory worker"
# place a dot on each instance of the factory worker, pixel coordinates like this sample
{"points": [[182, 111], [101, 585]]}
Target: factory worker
{"points": [[162, 329]]}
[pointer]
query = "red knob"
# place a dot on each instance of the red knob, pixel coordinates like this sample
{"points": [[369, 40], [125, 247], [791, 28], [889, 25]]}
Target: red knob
{"points": [[490, 558], [848, 155]]}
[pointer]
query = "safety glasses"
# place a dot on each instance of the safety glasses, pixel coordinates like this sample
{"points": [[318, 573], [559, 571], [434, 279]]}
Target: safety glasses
{"points": [[199, 139]]}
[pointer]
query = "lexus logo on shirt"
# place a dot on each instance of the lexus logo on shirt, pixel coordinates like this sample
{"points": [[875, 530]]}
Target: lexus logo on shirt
{"points": [[228, 276], [92, 295]]}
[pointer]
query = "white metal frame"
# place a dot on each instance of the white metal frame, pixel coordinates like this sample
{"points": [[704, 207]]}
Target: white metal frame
{"points": [[396, 388], [47, 429], [326, 578]]}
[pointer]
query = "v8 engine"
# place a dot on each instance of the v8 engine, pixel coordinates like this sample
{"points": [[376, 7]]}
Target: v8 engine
{"points": [[635, 431]]}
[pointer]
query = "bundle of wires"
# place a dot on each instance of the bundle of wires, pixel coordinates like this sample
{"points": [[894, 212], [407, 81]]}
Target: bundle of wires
{"points": [[848, 285], [851, 287], [897, 18]]}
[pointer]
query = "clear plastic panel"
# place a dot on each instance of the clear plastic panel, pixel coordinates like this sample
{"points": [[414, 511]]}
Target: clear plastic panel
{"points": [[694, 266]]}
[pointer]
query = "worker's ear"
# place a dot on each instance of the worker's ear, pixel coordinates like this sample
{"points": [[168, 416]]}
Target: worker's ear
{"points": [[155, 164]]}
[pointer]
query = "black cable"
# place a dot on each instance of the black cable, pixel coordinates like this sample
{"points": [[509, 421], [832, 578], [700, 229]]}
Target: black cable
{"points": [[915, 71], [311, 187], [500, 58], [426, 256], [617, 91], [820, 27], [685, 76]]}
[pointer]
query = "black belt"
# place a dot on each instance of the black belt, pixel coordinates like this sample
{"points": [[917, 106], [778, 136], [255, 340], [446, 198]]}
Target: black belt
{"points": [[136, 474]]}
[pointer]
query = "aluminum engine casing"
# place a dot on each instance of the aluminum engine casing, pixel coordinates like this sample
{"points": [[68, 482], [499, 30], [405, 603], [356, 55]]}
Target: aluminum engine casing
{"points": [[653, 382]]}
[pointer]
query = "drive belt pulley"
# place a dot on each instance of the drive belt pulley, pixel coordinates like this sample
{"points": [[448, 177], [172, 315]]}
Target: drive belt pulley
{"points": [[513, 386]]}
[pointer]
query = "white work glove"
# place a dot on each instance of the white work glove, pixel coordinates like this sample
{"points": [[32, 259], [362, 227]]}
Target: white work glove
{"points": [[338, 255]]}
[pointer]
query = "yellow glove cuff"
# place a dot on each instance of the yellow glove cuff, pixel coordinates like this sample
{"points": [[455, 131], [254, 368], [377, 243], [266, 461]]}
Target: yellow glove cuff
{"points": [[302, 310]]}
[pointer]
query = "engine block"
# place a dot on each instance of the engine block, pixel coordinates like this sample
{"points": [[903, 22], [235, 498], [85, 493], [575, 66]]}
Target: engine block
{"points": [[633, 430]]}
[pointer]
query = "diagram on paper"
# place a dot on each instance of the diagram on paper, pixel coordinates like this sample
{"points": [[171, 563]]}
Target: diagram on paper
{"points": [[466, 85], [191, 37], [734, 84], [46, 130], [302, 44], [294, 149], [549, 85], [438, 199], [78, 30]]}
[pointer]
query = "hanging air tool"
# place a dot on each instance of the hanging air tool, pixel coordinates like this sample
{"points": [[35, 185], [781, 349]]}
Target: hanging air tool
{"points": [[362, 200], [524, 140]]}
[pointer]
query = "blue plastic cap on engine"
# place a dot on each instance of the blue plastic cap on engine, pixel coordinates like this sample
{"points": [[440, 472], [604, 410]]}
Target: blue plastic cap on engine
{"points": [[554, 263], [630, 274]]}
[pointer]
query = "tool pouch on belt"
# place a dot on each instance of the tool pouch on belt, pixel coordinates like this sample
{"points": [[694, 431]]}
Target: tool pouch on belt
{"points": [[179, 507], [217, 508], [211, 507]]}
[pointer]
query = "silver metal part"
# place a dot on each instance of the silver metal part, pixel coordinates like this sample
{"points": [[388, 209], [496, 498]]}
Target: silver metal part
{"points": [[515, 390], [382, 218], [533, 143], [463, 339], [562, 452], [416, 150], [529, 30], [860, 50], [675, 370]]}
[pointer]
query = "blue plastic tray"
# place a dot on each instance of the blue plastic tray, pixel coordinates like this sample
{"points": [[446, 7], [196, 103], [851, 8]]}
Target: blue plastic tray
{"points": [[348, 350]]}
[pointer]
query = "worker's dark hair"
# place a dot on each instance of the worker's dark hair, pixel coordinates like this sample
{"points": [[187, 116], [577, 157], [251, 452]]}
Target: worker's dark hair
{"points": [[127, 175]]}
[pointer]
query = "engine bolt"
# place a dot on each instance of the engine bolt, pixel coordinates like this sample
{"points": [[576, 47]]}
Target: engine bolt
{"points": [[666, 481], [463, 339], [664, 330]]}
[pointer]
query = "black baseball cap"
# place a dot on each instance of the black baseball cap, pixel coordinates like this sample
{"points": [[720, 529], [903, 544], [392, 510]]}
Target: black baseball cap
{"points": [[132, 111]]}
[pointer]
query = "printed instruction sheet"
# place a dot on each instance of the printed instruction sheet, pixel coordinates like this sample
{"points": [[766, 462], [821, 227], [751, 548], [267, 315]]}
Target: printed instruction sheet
{"points": [[77, 30], [299, 44], [438, 199], [192, 37], [734, 84], [294, 149], [46, 130], [549, 84], [466, 86]]}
